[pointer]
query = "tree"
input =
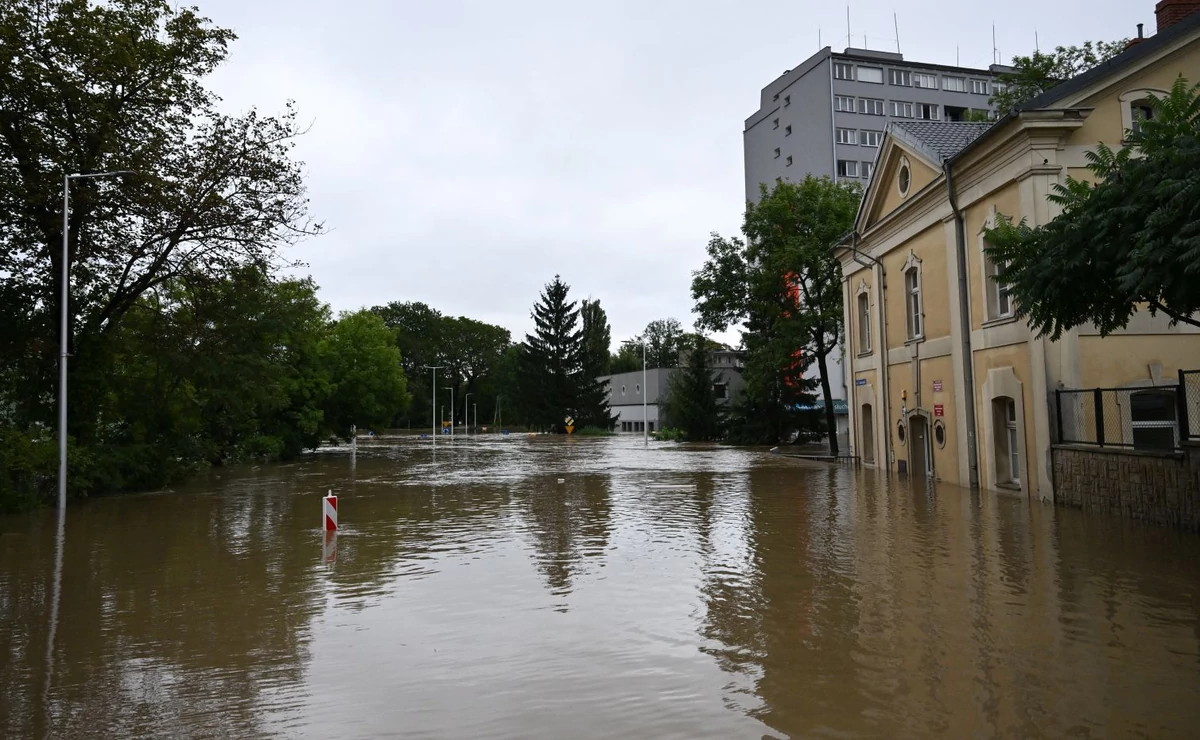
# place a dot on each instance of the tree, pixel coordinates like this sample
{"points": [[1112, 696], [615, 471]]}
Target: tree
{"points": [[88, 87], [691, 400], [627, 358], [784, 285], [1038, 72], [369, 387], [552, 379], [597, 339], [1130, 240], [662, 338]]}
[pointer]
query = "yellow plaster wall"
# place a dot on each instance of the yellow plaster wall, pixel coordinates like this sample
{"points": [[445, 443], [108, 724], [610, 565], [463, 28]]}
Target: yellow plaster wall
{"points": [[1105, 122], [1015, 356], [899, 379], [930, 248], [888, 175], [1007, 201], [945, 460], [1115, 361]]}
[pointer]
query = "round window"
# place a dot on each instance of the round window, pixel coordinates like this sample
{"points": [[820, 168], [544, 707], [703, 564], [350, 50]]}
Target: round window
{"points": [[622, 390], [900, 431], [637, 388], [939, 433], [905, 178]]}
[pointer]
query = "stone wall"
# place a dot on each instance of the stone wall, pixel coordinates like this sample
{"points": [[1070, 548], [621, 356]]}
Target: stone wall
{"points": [[1157, 487]]}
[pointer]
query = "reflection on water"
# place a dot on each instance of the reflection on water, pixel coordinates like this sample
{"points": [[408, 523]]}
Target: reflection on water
{"points": [[475, 595]]}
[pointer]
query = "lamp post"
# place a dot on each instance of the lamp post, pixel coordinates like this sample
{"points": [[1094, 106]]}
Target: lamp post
{"points": [[645, 393], [466, 413], [451, 389], [475, 407], [64, 328], [433, 400]]}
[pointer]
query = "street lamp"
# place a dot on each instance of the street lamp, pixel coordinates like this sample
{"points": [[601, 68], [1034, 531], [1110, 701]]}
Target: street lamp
{"points": [[645, 392], [433, 400], [467, 412], [66, 292], [451, 389]]}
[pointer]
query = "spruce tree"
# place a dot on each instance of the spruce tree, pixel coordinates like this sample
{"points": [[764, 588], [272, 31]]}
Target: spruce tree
{"points": [[597, 338], [691, 402], [552, 359]]}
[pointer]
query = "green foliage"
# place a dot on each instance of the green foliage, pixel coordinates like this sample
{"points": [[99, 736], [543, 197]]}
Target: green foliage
{"points": [[691, 399], [597, 338], [1039, 72], [551, 377], [783, 285], [662, 338], [369, 386], [594, 432], [626, 359], [467, 352], [670, 434], [1130, 240]]}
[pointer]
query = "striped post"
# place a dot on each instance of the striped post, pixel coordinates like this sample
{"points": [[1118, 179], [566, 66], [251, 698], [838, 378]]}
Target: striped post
{"points": [[330, 512], [329, 549]]}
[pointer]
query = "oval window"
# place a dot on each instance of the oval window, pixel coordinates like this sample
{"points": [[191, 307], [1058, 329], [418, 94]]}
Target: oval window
{"points": [[905, 178], [637, 388], [939, 434], [900, 431], [622, 390]]}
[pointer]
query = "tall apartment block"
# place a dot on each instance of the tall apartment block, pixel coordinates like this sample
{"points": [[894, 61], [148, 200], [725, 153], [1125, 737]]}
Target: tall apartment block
{"points": [[827, 116]]}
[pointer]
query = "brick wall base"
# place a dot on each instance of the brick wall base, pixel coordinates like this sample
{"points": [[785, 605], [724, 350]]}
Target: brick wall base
{"points": [[1154, 487]]}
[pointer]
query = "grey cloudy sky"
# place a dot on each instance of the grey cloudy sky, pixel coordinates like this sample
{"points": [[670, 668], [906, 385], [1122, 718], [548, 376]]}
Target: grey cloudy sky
{"points": [[463, 152]]}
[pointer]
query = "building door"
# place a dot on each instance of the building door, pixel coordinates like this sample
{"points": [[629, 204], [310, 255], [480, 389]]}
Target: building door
{"points": [[868, 435], [920, 460]]}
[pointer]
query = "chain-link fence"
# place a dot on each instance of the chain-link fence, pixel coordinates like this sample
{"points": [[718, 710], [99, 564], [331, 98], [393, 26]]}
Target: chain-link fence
{"points": [[1189, 403], [1151, 418]]}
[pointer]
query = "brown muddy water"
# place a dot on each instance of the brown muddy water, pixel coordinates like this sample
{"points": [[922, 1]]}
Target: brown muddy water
{"points": [[472, 594]]}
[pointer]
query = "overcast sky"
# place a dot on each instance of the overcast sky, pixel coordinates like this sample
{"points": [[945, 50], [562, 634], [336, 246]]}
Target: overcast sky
{"points": [[464, 152]]}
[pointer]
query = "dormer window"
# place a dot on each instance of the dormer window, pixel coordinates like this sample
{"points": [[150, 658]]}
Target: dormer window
{"points": [[1137, 106]]}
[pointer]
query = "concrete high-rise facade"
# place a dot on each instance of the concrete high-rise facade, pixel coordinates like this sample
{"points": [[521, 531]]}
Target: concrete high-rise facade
{"points": [[828, 115]]}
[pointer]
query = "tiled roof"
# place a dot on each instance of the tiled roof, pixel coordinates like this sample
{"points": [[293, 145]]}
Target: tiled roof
{"points": [[939, 140]]}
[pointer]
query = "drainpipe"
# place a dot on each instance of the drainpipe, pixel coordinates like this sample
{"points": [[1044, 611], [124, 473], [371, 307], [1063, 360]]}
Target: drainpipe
{"points": [[964, 311]]}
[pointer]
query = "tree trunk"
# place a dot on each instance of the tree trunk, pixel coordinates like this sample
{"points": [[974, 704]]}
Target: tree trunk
{"points": [[830, 417]]}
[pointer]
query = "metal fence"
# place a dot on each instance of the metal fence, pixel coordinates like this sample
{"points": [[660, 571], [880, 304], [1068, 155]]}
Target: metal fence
{"points": [[1189, 403], [1146, 418]]}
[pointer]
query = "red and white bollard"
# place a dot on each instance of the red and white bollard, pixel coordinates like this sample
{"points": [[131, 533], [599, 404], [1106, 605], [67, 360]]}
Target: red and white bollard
{"points": [[330, 512]]}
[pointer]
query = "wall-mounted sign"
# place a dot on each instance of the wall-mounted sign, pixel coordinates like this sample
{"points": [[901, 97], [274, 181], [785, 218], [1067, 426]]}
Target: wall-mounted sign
{"points": [[937, 386], [939, 409], [860, 381]]}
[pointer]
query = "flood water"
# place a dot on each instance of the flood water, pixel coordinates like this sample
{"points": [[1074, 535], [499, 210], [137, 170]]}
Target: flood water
{"points": [[472, 594]]}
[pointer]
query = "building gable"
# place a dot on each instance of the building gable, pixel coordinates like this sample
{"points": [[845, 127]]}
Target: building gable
{"points": [[884, 195]]}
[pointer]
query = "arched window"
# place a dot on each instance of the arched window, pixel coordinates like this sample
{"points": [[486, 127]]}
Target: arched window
{"points": [[1137, 106], [912, 296], [864, 319]]}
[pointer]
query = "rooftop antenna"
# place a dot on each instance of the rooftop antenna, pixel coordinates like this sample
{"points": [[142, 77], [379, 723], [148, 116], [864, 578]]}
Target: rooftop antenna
{"points": [[995, 51], [1037, 46], [896, 24], [848, 41]]}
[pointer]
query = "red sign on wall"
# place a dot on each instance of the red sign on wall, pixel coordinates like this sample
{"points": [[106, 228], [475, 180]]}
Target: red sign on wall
{"points": [[939, 409]]}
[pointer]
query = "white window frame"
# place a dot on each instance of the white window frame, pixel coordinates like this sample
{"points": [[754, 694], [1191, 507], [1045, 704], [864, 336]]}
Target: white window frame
{"points": [[866, 136], [867, 169], [904, 75], [847, 136], [871, 73], [1014, 442], [976, 86], [846, 170], [863, 309], [994, 294], [875, 104], [843, 71], [1129, 101], [954, 84], [925, 81], [901, 109], [904, 165], [933, 108], [845, 104], [914, 300]]}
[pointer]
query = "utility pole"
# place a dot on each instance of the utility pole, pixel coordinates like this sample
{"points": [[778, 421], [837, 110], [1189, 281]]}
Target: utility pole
{"points": [[451, 389], [433, 401]]}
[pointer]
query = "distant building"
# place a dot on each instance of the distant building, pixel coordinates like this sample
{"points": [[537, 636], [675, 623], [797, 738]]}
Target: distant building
{"points": [[625, 391]]}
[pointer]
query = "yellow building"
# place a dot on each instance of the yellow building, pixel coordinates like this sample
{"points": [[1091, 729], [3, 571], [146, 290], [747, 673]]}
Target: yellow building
{"points": [[940, 365]]}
